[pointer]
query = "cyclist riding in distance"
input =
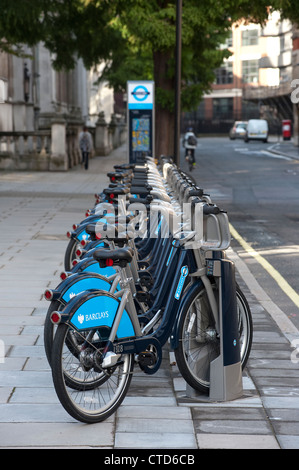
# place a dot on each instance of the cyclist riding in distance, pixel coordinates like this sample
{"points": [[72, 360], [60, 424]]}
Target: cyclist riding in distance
{"points": [[190, 144]]}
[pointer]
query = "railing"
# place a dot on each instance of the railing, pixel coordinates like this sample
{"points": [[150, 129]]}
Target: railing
{"points": [[26, 142], [32, 150], [263, 92], [57, 148], [26, 150]]}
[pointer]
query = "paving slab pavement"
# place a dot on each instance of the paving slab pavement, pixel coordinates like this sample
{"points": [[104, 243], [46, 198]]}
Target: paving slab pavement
{"points": [[159, 412], [286, 148]]}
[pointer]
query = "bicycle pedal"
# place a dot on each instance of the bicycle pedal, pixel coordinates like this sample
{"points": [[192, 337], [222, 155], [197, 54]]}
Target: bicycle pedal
{"points": [[146, 282], [143, 296]]}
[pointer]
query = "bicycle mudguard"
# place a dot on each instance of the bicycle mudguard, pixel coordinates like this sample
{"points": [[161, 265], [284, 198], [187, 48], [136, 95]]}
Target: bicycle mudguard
{"points": [[92, 266], [89, 220], [96, 309], [80, 232], [80, 282], [174, 337]]}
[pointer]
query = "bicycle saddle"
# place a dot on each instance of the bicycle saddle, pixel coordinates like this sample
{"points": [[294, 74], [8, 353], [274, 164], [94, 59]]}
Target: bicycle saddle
{"points": [[119, 257], [195, 192], [117, 175], [116, 191], [125, 166]]}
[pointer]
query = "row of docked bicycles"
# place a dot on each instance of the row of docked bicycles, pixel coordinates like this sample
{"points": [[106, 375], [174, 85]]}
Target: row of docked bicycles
{"points": [[136, 277]]}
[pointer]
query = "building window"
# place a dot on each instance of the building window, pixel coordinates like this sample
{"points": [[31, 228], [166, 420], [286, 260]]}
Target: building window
{"points": [[250, 37], [229, 40], [223, 108], [3, 90], [224, 74], [250, 71]]}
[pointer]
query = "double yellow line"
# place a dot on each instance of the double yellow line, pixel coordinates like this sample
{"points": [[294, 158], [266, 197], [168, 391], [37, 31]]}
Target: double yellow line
{"points": [[282, 283]]}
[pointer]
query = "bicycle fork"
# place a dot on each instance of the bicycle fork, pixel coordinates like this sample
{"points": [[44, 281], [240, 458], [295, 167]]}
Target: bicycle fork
{"points": [[201, 273]]}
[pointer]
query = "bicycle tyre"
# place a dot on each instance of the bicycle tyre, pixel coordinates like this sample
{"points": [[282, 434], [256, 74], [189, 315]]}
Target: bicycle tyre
{"points": [[70, 254], [90, 404], [49, 333], [190, 161], [49, 328], [199, 345]]}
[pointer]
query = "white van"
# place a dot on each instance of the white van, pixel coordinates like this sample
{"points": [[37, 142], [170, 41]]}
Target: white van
{"points": [[257, 129]]}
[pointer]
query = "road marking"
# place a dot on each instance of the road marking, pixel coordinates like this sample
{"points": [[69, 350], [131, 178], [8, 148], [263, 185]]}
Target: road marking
{"points": [[275, 155], [263, 152], [285, 325], [282, 283]]}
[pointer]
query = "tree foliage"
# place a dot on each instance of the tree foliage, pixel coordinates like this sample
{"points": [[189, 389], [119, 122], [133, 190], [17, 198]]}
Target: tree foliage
{"points": [[126, 33], [135, 38]]}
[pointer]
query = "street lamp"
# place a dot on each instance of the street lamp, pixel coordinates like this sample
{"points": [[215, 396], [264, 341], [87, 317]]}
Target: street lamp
{"points": [[178, 81], [26, 83]]}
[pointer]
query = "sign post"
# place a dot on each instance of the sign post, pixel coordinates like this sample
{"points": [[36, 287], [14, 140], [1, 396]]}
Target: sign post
{"points": [[141, 120]]}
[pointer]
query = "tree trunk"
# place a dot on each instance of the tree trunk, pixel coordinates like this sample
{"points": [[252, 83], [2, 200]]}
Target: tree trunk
{"points": [[164, 117]]}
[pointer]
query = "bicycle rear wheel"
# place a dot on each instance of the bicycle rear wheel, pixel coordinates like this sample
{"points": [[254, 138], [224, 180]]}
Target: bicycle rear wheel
{"points": [[199, 343], [49, 328], [100, 391], [70, 253]]}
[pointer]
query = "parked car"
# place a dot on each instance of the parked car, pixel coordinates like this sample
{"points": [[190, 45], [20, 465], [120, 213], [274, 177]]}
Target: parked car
{"points": [[257, 129], [238, 130]]}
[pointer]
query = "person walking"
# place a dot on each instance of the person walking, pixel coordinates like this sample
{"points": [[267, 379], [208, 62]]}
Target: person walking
{"points": [[190, 144], [85, 144]]}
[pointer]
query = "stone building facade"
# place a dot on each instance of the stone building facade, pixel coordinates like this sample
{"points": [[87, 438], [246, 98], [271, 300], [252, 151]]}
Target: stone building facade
{"points": [[42, 112]]}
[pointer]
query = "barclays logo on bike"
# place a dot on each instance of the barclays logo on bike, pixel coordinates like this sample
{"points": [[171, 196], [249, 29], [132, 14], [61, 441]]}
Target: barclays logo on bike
{"points": [[96, 316], [184, 274], [90, 320]]}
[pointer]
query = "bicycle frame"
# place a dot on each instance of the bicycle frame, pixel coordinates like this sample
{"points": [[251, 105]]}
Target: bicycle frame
{"points": [[119, 313], [185, 264]]}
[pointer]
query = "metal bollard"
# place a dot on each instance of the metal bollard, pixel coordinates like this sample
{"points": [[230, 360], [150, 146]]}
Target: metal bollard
{"points": [[226, 370]]}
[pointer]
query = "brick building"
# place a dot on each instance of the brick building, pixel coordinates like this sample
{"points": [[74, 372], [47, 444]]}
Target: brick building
{"points": [[254, 82]]}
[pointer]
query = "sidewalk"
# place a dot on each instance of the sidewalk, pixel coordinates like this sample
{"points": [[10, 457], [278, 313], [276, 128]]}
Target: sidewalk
{"points": [[284, 147], [37, 209]]}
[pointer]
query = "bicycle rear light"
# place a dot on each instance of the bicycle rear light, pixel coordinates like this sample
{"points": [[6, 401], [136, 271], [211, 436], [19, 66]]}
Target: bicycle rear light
{"points": [[69, 234], [55, 318], [48, 294], [79, 252], [63, 275]]}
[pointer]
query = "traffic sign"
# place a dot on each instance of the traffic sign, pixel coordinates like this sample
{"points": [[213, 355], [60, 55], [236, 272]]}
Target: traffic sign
{"points": [[141, 95], [140, 119]]}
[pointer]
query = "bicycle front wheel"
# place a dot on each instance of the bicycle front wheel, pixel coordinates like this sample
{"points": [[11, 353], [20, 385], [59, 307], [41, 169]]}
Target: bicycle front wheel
{"points": [[199, 343], [100, 391]]}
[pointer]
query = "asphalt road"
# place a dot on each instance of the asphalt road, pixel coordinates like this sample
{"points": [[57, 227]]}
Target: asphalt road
{"points": [[260, 192]]}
